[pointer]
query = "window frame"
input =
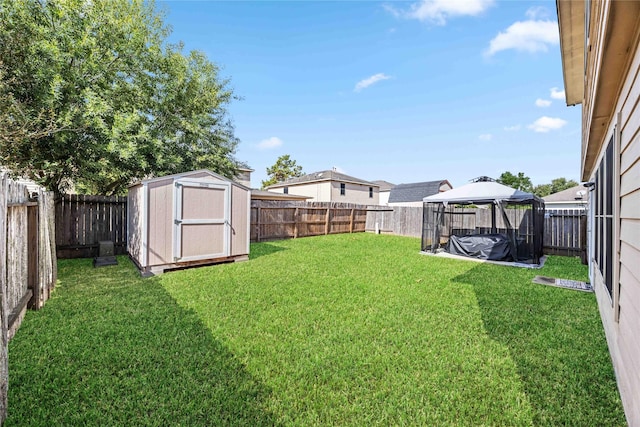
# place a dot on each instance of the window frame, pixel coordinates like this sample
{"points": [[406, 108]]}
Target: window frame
{"points": [[606, 219], [343, 189]]}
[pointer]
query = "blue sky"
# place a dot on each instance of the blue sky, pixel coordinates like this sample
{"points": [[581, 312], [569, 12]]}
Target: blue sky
{"points": [[400, 91]]}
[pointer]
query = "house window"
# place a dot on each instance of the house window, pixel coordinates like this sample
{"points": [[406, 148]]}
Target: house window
{"points": [[603, 217], [343, 189], [286, 190], [371, 192]]}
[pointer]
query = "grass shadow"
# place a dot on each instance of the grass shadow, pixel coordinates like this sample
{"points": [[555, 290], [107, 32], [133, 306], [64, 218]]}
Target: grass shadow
{"points": [[264, 249], [111, 348], [555, 338]]}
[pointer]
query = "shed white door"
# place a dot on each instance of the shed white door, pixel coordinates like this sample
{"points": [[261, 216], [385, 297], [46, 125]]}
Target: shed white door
{"points": [[201, 219]]}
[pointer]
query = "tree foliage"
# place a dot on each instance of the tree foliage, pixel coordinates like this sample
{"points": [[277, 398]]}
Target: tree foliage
{"points": [[519, 182], [283, 168], [92, 95], [556, 185]]}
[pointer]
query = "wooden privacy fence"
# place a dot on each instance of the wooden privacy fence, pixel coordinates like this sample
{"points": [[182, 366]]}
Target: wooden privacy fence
{"points": [[83, 221], [400, 220], [274, 219], [564, 230], [28, 262]]}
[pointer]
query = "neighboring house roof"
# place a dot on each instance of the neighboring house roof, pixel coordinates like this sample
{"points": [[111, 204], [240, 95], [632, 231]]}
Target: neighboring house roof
{"points": [[577, 194], [328, 175], [271, 195], [384, 185], [415, 192]]}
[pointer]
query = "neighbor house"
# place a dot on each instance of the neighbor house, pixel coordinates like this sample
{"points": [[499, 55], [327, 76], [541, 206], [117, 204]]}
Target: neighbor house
{"points": [[272, 195], [243, 176], [330, 186], [574, 198], [600, 49], [413, 193], [385, 189]]}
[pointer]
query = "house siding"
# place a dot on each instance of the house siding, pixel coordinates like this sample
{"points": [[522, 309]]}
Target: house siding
{"points": [[383, 197], [622, 333], [317, 191], [354, 193]]}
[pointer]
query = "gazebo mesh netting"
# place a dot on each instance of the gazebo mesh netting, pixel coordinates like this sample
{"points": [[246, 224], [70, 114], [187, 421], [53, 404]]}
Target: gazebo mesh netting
{"points": [[485, 227]]}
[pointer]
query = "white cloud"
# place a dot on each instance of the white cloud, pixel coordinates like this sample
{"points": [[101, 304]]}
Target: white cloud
{"points": [[269, 143], [542, 102], [556, 93], [526, 36], [512, 128], [538, 12], [365, 83], [438, 11], [545, 124], [486, 137]]}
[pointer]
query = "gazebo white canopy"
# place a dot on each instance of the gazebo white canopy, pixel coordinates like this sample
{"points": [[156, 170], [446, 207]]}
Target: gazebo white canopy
{"points": [[481, 192]]}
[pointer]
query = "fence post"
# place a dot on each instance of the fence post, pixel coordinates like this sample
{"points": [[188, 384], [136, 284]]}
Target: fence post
{"points": [[326, 221], [295, 224], [33, 275], [258, 224], [351, 220]]}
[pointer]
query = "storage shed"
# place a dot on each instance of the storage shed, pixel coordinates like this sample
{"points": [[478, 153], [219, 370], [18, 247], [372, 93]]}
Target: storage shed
{"points": [[188, 219]]}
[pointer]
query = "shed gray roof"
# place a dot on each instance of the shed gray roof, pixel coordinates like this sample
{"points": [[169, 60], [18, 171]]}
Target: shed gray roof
{"points": [[415, 191], [384, 185], [328, 175], [569, 195]]}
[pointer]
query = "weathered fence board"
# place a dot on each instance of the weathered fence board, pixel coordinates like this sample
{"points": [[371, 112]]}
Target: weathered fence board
{"points": [[565, 232], [28, 266], [4, 341], [82, 221], [275, 219]]}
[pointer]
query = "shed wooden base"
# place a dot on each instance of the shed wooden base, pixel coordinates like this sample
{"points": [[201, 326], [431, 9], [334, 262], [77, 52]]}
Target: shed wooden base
{"points": [[155, 270]]}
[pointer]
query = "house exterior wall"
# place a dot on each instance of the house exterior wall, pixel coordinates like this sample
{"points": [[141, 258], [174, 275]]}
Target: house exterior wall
{"points": [[565, 205], [354, 193], [383, 197], [620, 310], [329, 191], [412, 204], [318, 191], [243, 177]]}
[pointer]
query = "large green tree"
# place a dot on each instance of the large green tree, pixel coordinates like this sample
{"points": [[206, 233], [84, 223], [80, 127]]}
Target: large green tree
{"points": [[519, 182], [285, 167], [555, 186], [92, 95]]}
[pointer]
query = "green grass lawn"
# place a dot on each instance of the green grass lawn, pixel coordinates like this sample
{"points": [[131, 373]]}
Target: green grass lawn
{"points": [[347, 329]]}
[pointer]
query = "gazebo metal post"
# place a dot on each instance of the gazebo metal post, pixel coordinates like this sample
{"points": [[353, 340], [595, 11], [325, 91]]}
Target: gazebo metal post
{"points": [[494, 229]]}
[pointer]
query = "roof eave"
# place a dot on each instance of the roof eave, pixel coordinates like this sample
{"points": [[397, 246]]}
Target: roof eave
{"points": [[572, 36]]}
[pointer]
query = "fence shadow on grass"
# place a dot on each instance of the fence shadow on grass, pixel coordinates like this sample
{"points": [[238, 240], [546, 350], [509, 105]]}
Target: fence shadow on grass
{"points": [[114, 349], [555, 339], [264, 249]]}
